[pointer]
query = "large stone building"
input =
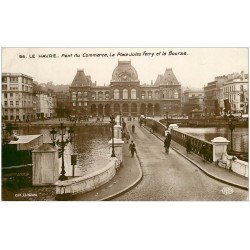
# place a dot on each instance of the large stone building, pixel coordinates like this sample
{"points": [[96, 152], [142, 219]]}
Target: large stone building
{"points": [[236, 94], [17, 97], [228, 93], [125, 94]]}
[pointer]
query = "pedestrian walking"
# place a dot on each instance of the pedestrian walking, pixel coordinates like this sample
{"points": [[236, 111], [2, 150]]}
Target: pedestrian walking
{"points": [[133, 128], [203, 152], [167, 142], [123, 125], [127, 137], [123, 134], [188, 145], [140, 122], [132, 148]]}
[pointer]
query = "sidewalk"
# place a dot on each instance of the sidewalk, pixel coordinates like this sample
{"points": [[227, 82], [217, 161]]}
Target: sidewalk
{"points": [[129, 175], [208, 168]]}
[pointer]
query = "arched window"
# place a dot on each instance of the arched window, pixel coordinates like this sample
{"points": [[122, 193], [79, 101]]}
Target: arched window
{"points": [[156, 95], [107, 95], [116, 94], [79, 96], [125, 94], [170, 93], [176, 95], [85, 96], [143, 95], [149, 94], [133, 94], [100, 96], [73, 96]]}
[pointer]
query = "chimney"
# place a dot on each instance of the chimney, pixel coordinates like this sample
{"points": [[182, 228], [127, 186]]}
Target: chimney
{"points": [[95, 83], [242, 75], [151, 82]]}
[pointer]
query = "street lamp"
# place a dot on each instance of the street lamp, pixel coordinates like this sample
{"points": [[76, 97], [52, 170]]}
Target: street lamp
{"points": [[53, 136], [112, 123], [167, 119], [231, 126], [61, 144], [120, 115]]}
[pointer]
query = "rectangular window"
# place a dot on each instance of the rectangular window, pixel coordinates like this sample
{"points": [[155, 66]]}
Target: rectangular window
{"points": [[5, 95], [4, 87], [4, 79], [74, 104], [11, 103], [5, 103], [79, 104], [17, 103]]}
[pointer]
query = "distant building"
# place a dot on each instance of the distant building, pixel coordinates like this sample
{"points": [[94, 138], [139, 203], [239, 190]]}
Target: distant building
{"points": [[17, 97], [236, 94], [44, 102], [125, 94], [193, 99], [63, 105]]}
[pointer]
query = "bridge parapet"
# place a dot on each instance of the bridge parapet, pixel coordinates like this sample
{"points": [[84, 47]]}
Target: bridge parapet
{"points": [[181, 138], [196, 144]]}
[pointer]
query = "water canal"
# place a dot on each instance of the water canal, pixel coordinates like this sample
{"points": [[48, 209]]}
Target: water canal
{"points": [[89, 143], [240, 135]]}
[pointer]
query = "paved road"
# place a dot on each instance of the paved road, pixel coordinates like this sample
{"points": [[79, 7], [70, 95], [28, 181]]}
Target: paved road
{"points": [[172, 178]]}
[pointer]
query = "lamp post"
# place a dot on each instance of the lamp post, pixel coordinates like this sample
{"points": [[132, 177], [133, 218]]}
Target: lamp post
{"points": [[120, 116], [231, 126], [167, 119], [112, 123], [61, 144]]}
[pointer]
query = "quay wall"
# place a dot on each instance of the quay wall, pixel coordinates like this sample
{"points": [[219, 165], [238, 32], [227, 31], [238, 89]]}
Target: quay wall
{"points": [[88, 182]]}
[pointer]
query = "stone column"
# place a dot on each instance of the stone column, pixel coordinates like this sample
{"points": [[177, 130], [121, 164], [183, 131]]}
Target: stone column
{"points": [[219, 148], [118, 143]]}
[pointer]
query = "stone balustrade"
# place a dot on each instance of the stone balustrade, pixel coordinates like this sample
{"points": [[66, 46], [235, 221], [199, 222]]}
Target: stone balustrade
{"points": [[88, 182]]}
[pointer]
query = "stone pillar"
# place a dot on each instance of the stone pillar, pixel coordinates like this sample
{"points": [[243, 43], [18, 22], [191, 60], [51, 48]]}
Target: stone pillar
{"points": [[118, 131], [118, 142], [45, 165], [219, 148], [153, 110]]}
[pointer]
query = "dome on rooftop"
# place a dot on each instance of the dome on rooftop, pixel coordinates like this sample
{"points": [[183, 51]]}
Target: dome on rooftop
{"points": [[124, 72]]}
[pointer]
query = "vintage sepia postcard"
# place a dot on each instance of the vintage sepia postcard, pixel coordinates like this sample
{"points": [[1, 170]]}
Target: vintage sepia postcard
{"points": [[125, 124]]}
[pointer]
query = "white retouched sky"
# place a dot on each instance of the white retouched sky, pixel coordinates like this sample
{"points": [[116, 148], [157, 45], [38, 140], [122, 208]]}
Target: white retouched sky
{"points": [[196, 69]]}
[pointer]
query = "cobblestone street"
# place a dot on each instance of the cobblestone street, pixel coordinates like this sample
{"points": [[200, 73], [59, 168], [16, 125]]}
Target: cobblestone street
{"points": [[171, 177]]}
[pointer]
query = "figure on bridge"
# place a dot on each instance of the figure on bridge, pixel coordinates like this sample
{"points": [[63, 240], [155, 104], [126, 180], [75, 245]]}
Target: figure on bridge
{"points": [[167, 142], [133, 128], [132, 148], [188, 145]]}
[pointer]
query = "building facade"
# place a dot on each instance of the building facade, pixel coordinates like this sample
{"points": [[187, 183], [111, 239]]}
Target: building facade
{"points": [[17, 97], [236, 94], [125, 94], [226, 94], [193, 99]]}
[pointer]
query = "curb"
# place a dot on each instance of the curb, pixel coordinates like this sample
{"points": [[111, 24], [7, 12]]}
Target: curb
{"points": [[204, 171], [136, 182]]}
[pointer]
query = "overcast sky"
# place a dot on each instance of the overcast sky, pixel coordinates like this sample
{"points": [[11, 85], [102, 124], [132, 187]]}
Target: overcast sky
{"points": [[195, 69]]}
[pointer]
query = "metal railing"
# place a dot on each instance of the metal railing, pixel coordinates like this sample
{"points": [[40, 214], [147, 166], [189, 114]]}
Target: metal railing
{"points": [[181, 138]]}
